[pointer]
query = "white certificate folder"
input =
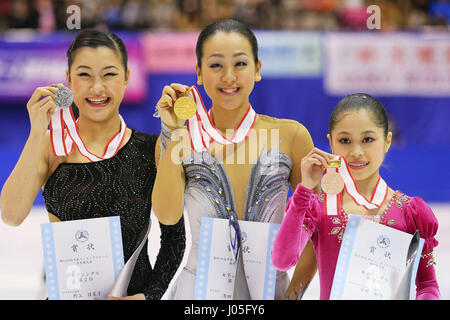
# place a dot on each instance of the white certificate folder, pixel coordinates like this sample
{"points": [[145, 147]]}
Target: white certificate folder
{"points": [[216, 268], [82, 257], [376, 262]]}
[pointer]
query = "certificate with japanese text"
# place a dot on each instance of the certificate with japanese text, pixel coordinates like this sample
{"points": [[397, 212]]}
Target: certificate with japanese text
{"points": [[82, 257], [376, 262], [216, 268]]}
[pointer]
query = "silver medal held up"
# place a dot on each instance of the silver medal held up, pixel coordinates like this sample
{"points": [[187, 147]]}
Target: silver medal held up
{"points": [[64, 97]]}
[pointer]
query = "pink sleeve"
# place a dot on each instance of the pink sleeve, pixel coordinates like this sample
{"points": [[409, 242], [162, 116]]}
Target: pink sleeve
{"points": [[292, 236], [419, 216]]}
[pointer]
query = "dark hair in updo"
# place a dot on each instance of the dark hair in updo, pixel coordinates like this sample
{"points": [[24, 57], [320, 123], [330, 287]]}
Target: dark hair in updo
{"points": [[93, 38], [360, 101], [227, 25]]}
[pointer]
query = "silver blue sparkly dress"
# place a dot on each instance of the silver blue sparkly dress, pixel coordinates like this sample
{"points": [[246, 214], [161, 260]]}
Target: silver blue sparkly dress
{"points": [[209, 193]]}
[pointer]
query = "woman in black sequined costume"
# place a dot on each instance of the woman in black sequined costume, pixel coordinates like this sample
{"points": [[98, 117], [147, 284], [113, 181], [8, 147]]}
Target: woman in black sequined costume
{"points": [[75, 188]]}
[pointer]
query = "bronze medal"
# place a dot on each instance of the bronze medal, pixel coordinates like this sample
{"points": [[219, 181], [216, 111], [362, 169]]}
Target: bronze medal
{"points": [[332, 182]]}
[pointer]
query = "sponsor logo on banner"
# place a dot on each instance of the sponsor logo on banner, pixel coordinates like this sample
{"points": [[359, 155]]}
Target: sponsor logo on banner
{"points": [[290, 54], [387, 64], [169, 52]]}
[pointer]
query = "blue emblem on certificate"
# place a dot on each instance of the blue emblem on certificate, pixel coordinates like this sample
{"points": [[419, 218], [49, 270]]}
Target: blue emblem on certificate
{"points": [[82, 257], [216, 264]]}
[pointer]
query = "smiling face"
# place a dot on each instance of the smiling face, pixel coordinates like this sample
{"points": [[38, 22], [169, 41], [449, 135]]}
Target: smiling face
{"points": [[228, 72], [98, 81], [357, 137]]}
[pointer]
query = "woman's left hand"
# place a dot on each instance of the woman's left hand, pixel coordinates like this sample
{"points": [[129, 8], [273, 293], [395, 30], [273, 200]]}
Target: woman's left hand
{"points": [[293, 292], [139, 296]]}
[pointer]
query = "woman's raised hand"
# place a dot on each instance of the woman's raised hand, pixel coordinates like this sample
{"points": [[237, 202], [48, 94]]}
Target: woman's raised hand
{"points": [[313, 166], [40, 107], [165, 105]]}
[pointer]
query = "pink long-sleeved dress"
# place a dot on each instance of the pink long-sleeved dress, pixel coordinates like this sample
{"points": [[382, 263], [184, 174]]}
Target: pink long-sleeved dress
{"points": [[305, 219]]}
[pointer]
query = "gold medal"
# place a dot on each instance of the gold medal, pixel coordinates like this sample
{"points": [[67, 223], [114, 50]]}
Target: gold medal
{"points": [[332, 182], [185, 107]]}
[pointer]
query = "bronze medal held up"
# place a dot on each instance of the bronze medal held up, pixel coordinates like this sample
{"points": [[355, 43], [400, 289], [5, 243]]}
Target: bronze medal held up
{"points": [[332, 182], [185, 107]]}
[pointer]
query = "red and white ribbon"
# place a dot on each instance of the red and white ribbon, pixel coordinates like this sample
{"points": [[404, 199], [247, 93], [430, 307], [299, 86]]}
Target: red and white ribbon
{"points": [[202, 131], [62, 142], [379, 194], [333, 202]]}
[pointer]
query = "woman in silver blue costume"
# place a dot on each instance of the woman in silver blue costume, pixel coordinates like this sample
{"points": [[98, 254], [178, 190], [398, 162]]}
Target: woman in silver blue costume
{"points": [[248, 180]]}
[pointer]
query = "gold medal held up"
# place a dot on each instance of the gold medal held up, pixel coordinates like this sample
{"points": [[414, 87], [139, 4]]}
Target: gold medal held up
{"points": [[185, 107], [332, 182]]}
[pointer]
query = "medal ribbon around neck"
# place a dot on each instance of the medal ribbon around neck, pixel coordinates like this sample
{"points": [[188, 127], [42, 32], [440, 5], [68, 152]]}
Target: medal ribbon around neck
{"points": [[202, 131], [333, 202], [62, 143]]}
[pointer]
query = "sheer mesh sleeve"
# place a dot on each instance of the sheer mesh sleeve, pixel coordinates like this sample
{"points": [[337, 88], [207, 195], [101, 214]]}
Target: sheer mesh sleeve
{"points": [[173, 244]]}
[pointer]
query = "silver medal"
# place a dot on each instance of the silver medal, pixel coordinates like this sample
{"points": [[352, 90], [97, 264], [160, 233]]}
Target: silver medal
{"points": [[64, 97]]}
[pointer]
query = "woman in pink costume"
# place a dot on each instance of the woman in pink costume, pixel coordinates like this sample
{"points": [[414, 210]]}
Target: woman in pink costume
{"points": [[358, 131]]}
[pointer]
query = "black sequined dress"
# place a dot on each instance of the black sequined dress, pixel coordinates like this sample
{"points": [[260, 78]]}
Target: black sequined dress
{"points": [[121, 186]]}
